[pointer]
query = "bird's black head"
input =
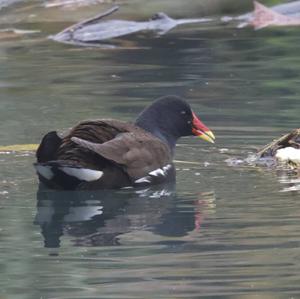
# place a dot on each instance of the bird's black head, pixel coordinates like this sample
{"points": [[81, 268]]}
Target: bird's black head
{"points": [[171, 117]]}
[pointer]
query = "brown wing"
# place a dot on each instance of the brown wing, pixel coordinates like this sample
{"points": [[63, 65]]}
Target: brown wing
{"points": [[97, 131], [138, 152]]}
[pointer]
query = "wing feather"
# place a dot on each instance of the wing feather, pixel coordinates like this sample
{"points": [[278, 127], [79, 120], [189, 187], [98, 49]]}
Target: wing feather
{"points": [[138, 154]]}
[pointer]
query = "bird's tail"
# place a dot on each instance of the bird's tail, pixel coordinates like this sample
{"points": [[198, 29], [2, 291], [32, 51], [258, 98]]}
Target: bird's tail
{"points": [[62, 174]]}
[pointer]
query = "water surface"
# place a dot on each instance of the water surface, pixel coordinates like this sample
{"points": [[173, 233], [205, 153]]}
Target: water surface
{"points": [[220, 232]]}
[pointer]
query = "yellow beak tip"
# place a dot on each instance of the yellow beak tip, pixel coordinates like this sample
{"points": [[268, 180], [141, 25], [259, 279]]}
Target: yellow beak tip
{"points": [[208, 136]]}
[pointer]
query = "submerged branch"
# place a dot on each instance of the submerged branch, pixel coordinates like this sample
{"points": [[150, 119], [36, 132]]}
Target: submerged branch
{"points": [[91, 20]]}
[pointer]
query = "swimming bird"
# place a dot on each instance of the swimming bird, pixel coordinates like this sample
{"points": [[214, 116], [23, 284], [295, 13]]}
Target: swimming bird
{"points": [[111, 154]]}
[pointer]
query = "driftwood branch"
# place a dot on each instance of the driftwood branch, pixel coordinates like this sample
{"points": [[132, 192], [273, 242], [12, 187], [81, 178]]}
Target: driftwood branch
{"points": [[291, 139], [91, 20]]}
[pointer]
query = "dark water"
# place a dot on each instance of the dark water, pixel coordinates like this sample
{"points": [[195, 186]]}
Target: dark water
{"points": [[221, 232]]}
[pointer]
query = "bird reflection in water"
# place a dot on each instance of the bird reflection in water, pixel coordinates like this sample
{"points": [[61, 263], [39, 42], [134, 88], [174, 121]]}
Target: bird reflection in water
{"points": [[99, 218]]}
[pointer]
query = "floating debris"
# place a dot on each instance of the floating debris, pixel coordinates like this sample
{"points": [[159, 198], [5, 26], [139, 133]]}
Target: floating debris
{"points": [[264, 16], [73, 3], [224, 150], [287, 14], [6, 149], [285, 150], [19, 31], [13, 33], [94, 30]]}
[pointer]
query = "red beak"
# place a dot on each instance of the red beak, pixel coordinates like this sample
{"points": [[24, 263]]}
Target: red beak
{"points": [[202, 131]]}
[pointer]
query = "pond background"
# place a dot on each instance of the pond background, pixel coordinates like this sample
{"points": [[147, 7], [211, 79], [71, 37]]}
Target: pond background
{"points": [[223, 231]]}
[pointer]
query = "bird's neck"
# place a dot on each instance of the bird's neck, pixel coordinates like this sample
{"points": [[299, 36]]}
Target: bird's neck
{"points": [[154, 128]]}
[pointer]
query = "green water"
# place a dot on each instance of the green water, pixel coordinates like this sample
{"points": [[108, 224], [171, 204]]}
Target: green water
{"points": [[221, 232]]}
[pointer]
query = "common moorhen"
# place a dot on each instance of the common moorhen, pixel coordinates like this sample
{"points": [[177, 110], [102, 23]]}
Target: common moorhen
{"points": [[109, 154]]}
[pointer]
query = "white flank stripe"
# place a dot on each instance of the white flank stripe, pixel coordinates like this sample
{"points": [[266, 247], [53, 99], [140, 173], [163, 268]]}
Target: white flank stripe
{"points": [[167, 167], [83, 174], [157, 172], [44, 171]]}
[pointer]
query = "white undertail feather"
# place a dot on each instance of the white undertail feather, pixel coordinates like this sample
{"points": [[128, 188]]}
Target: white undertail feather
{"points": [[142, 180], [83, 174]]}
